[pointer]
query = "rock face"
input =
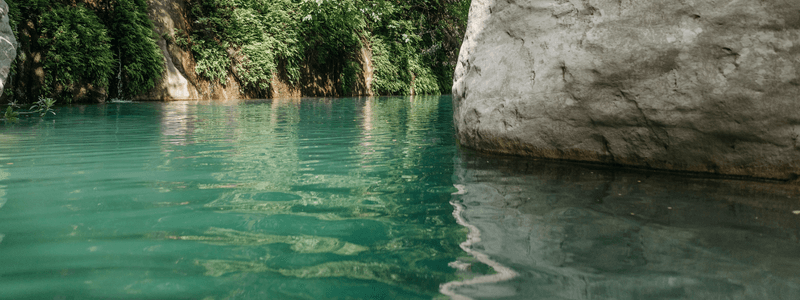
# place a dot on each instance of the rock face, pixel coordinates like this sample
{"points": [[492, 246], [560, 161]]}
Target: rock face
{"points": [[697, 85], [8, 45], [168, 16]]}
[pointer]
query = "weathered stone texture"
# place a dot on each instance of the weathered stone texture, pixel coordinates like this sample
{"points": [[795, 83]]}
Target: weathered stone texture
{"points": [[696, 85], [8, 45]]}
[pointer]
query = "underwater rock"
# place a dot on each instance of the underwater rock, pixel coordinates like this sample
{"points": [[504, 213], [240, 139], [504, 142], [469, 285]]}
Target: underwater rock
{"points": [[705, 86]]}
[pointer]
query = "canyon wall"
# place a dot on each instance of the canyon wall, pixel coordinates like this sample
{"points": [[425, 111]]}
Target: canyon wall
{"points": [[695, 85]]}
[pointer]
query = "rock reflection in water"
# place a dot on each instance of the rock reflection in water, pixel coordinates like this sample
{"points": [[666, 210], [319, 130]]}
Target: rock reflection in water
{"points": [[586, 232]]}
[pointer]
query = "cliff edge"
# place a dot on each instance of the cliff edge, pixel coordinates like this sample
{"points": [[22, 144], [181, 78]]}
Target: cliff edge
{"points": [[700, 85]]}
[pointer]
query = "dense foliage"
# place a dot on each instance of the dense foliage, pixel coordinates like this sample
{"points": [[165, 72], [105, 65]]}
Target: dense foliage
{"points": [[77, 48], [103, 43], [413, 42], [140, 58], [89, 44]]}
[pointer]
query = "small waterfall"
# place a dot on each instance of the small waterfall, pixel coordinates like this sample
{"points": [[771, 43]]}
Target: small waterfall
{"points": [[119, 77]]}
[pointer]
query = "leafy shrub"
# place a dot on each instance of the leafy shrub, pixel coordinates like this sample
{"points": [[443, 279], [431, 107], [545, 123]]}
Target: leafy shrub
{"points": [[258, 66], [405, 37], [181, 39], [10, 115], [78, 48], [43, 106], [260, 32], [212, 60], [83, 45], [389, 77]]}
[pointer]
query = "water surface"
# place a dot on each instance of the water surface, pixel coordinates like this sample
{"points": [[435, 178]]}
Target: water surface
{"points": [[284, 199], [354, 199]]}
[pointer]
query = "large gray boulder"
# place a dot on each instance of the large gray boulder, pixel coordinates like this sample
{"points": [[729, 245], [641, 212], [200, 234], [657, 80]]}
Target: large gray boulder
{"points": [[696, 85], [8, 45]]}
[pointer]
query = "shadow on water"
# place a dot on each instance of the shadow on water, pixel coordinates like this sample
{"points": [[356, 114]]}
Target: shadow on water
{"points": [[587, 232]]}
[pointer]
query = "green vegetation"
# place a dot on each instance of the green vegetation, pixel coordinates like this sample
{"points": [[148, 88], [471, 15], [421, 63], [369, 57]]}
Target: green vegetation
{"points": [[413, 42], [77, 47], [10, 115], [41, 107], [84, 45], [93, 43], [141, 59]]}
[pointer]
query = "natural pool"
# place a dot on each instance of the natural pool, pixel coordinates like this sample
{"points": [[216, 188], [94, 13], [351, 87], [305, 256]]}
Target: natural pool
{"points": [[353, 198]]}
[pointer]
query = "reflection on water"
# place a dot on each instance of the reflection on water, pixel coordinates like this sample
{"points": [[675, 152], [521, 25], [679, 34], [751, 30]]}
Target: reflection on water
{"points": [[504, 273], [584, 232], [283, 199]]}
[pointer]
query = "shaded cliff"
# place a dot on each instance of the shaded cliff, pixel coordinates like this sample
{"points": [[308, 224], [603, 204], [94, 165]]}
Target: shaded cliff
{"points": [[706, 86], [8, 45]]}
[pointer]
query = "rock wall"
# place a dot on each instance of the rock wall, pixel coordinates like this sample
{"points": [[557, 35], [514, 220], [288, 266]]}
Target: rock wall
{"points": [[179, 81], [8, 45], [695, 85]]}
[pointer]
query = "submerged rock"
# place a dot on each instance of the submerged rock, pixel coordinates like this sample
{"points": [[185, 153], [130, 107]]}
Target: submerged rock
{"points": [[707, 86], [8, 45]]}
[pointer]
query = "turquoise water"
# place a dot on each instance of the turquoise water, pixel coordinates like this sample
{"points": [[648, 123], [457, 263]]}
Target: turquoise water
{"points": [[293, 199], [355, 199]]}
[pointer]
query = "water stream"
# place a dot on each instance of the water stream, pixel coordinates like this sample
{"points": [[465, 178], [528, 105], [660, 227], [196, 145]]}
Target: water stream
{"points": [[358, 198]]}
